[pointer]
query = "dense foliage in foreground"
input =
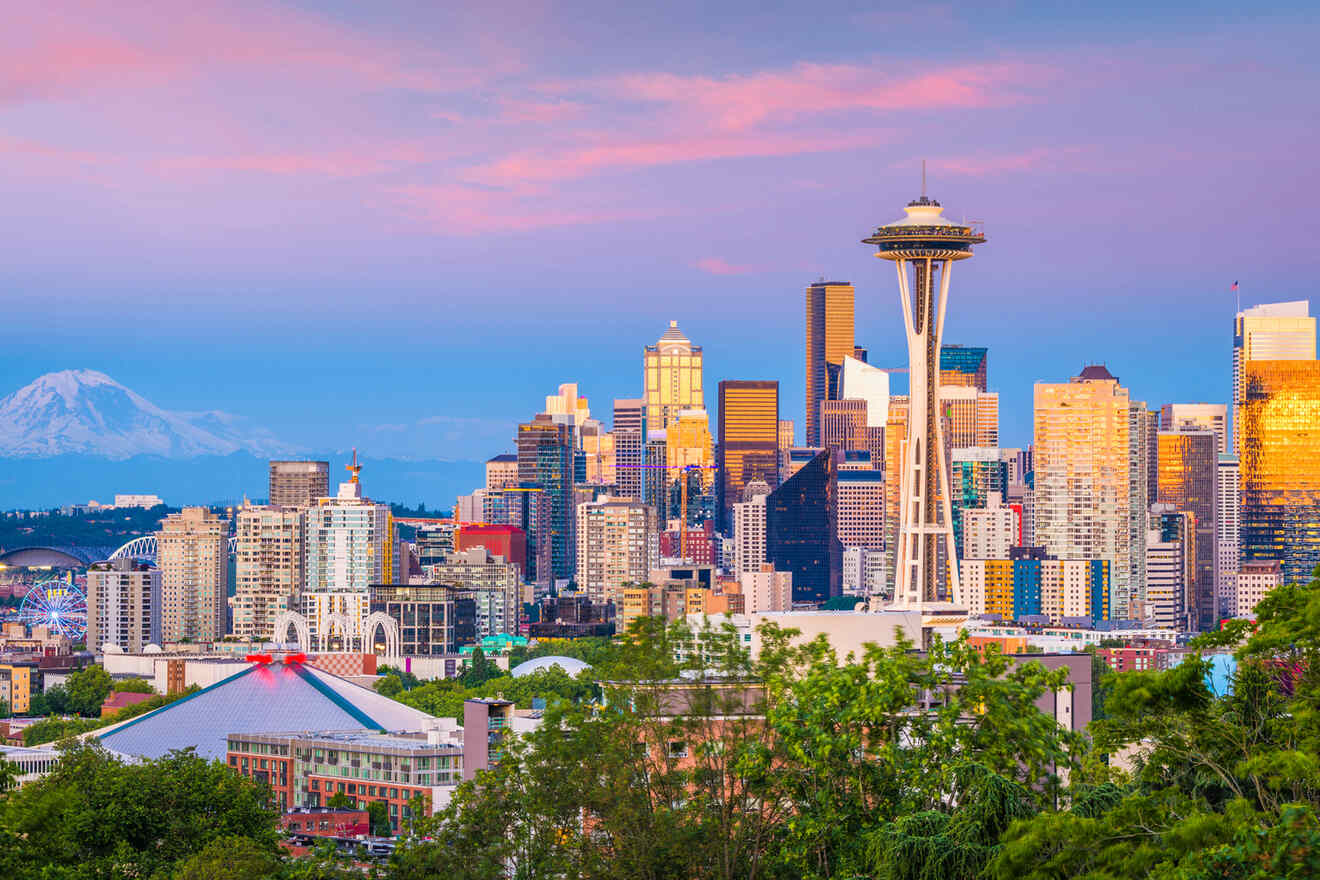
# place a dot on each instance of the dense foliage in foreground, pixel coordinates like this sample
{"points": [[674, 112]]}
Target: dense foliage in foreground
{"points": [[895, 764]]}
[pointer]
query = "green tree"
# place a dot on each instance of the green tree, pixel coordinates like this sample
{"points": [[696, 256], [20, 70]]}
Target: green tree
{"points": [[380, 819], [341, 801], [132, 686], [93, 816], [231, 858], [479, 670], [1221, 786], [87, 689]]}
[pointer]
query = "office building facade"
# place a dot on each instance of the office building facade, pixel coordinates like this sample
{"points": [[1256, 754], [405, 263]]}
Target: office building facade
{"points": [[547, 459], [964, 366], [1188, 471], [829, 339], [433, 619], [801, 530], [298, 483], [491, 581], [1211, 417], [1270, 332], [671, 378], [748, 440]]}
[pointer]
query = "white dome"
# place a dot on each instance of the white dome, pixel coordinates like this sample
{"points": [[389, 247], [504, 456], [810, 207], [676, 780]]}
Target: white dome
{"points": [[569, 664], [153, 649]]}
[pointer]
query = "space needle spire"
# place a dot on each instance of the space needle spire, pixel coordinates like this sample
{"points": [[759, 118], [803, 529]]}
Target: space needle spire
{"points": [[923, 247]]}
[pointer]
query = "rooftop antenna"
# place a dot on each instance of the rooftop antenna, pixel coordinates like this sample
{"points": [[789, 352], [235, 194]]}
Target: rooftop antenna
{"points": [[923, 178]]}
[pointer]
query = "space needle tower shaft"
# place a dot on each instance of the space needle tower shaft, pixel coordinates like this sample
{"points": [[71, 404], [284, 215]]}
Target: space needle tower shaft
{"points": [[923, 247]]}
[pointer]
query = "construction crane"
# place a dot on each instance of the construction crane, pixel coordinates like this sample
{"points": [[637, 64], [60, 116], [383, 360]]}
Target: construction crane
{"points": [[682, 494]]}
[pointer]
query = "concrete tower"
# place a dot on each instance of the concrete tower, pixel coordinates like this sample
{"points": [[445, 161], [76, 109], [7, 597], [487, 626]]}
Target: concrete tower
{"points": [[923, 246]]}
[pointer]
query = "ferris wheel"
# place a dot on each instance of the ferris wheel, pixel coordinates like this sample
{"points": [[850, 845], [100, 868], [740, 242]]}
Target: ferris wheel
{"points": [[58, 606]]}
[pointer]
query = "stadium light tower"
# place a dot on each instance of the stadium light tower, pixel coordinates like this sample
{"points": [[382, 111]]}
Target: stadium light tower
{"points": [[923, 246]]}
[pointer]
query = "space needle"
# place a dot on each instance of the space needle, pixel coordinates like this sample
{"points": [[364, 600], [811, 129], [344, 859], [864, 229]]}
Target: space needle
{"points": [[923, 247]]}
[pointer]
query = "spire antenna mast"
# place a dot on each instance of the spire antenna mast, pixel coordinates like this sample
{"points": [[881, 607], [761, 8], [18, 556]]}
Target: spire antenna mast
{"points": [[923, 178]]}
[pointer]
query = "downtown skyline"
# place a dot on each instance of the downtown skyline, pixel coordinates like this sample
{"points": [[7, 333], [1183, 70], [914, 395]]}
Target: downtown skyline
{"points": [[409, 255]]}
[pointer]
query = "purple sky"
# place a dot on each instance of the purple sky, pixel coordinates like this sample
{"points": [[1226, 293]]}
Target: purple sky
{"points": [[401, 225]]}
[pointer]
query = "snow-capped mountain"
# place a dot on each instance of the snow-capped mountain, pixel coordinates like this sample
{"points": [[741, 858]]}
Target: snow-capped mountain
{"points": [[84, 412]]}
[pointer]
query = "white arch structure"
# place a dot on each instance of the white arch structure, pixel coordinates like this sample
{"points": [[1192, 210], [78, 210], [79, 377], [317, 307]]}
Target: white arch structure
{"points": [[145, 548], [280, 633], [391, 627]]}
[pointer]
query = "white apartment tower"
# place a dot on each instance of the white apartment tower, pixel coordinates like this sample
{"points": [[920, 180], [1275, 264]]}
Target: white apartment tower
{"points": [[123, 605]]}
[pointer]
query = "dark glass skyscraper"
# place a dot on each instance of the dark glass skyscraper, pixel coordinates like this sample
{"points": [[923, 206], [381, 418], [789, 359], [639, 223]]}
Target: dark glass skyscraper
{"points": [[546, 458], [801, 530]]}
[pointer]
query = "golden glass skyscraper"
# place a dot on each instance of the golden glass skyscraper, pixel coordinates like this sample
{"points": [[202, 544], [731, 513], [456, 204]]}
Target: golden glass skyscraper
{"points": [[671, 373], [1280, 478], [749, 439], [1269, 332], [1188, 465], [1090, 493], [829, 328]]}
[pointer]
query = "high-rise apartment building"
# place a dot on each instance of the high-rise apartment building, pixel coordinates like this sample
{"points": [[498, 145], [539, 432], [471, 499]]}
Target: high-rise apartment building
{"points": [[1030, 584], [764, 589], [1255, 581], [1280, 474], [1170, 568], [749, 527], [976, 473], [748, 440], [268, 567], [672, 377], [802, 532], [492, 581], [829, 338], [1086, 478], [123, 605], [1228, 540], [962, 365], [1188, 471], [618, 543], [1271, 332], [192, 552], [973, 416], [1204, 416], [547, 459], [629, 433], [989, 532], [502, 471], [350, 546], [298, 483]]}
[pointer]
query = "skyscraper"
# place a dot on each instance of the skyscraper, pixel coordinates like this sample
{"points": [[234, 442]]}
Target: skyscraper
{"points": [[618, 543], [1228, 528], [268, 567], [349, 547], [964, 365], [502, 471], [1271, 332], [843, 424], [859, 380], [192, 552], [786, 435], [829, 338], [973, 416], [1280, 440], [298, 483], [672, 376], [123, 605], [801, 530], [924, 247], [629, 440], [748, 439], [1189, 464], [1207, 416], [749, 527], [1170, 549], [1086, 480], [547, 458]]}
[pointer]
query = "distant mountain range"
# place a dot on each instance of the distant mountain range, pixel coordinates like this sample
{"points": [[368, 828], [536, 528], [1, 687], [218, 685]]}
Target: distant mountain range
{"points": [[79, 435], [84, 412]]}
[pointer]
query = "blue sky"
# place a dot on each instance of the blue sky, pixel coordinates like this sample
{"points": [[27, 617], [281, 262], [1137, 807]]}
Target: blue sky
{"points": [[400, 226]]}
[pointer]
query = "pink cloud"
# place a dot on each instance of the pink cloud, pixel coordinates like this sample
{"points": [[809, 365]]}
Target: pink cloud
{"points": [[718, 266], [360, 163]]}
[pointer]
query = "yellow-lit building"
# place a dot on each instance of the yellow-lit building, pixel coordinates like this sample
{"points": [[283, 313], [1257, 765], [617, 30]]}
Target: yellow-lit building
{"points": [[672, 374], [1091, 477], [1187, 468], [1053, 588], [1280, 467], [749, 439], [829, 339], [1269, 332], [16, 680], [973, 416], [688, 442]]}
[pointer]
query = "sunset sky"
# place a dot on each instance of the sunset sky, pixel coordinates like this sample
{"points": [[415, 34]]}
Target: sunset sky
{"points": [[400, 225]]}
